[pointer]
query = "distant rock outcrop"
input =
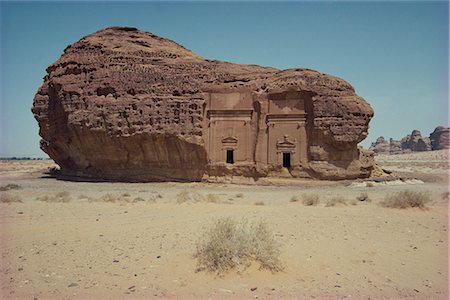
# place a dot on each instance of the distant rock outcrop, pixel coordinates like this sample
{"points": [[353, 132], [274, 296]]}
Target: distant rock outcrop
{"points": [[440, 138], [415, 142]]}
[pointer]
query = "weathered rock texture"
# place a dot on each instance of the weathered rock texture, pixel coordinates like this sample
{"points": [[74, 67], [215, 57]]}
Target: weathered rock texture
{"points": [[415, 142], [122, 104], [440, 138]]}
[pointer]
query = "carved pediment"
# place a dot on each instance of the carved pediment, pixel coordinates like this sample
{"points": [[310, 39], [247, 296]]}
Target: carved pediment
{"points": [[286, 143], [230, 140]]}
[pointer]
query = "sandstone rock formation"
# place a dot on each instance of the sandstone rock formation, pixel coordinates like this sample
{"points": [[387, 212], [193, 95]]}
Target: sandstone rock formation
{"points": [[415, 142], [122, 104], [440, 138], [381, 146]]}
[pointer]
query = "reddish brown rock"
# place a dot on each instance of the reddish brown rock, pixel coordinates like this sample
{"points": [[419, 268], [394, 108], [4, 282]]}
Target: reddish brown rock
{"points": [[440, 138], [122, 104]]}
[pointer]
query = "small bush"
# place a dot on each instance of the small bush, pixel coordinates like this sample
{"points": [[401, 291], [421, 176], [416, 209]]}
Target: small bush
{"points": [[229, 244], [335, 201], [370, 184], [354, 202], [294, 199], [11, 186], [138, 199], [259, 203], [61, 197], [310, 199], [213, 198], [125, 195], [8, 198], [240, 195], [190, 197], [405, 199], [363, 197], [111, 198]]}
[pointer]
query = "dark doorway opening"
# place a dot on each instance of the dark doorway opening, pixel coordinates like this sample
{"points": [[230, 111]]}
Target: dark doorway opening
{"points": [[230, 156], [286, 160]]}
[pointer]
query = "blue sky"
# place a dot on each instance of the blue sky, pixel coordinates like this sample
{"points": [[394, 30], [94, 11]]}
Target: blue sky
{"points": [[395, 54]]}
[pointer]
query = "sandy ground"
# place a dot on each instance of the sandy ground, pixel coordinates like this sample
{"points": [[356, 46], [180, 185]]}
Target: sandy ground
{"points": [[86, 248]]}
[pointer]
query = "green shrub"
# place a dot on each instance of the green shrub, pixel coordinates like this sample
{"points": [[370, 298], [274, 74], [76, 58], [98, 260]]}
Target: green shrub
{"points": [[229, 244]]}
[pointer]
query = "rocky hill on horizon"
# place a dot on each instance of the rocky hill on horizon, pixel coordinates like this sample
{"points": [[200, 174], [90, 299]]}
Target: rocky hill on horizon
{"points": [[437, 140]]}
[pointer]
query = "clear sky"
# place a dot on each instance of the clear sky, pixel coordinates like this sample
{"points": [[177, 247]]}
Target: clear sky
{"points": [[395, 54]]}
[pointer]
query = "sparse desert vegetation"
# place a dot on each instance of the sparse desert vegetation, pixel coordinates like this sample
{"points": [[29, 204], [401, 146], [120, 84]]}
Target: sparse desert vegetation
{"points": [[335, 201], [128, 245], [60, 197], [363, 197], [310, 199], [10, 186], [189, 197], [260, 203], [230, 244], [407, 199], [8, 198]]}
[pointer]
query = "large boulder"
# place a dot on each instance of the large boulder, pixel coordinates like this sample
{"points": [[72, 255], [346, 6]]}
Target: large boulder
{"points": [[440, 138], [123, 104]]}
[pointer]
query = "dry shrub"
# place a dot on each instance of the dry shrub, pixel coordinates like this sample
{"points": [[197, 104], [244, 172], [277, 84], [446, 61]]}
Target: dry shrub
{"points": [[11, 186], [294, 199], [445, 196], [8, 198], [229, 244], [213, 198], [310, 199], [138, 199], [336, 201], [111, 198], [405, 199], [370, 184], [240, 195], [61, 197], [353, 202], [259, 203], [189, 197], [363, 197]]}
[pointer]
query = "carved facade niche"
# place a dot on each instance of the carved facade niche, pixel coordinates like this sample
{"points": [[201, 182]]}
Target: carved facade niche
{"points": [[287, 118], [229, 135]]}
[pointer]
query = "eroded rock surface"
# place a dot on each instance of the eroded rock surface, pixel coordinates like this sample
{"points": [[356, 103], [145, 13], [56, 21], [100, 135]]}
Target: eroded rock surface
{"points": [[440, 138], [122, 104], [415, 142]]}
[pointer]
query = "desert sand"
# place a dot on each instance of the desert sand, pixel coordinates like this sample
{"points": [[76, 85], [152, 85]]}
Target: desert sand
{"points": [[80, 246]]}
